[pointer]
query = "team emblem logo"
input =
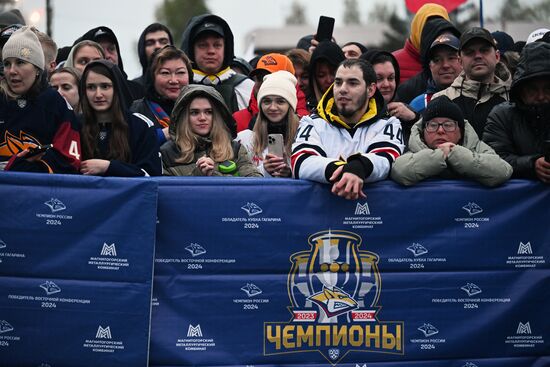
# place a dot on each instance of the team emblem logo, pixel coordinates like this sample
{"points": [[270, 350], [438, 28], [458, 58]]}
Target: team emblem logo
{"points": [[428, 330], [103, 333], [417, 249], [334, 289], [471, 289], [252, 209], [5, 326], [472, 208], [470, 364], [362, 209], [55, 205], [2, 244], [50, 287], [195, 249], [525, 249], [524, 328], [251, 290]]}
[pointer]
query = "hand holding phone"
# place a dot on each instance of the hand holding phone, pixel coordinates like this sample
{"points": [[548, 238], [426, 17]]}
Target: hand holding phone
{"points": [[325, 28], [275, 144]]}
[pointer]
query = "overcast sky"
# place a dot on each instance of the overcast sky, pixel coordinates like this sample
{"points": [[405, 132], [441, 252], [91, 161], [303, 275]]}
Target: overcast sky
{"points": [[128, 18]]}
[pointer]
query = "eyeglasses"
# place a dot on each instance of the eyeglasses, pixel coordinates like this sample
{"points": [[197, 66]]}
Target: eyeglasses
{"points": [[448, 126]]}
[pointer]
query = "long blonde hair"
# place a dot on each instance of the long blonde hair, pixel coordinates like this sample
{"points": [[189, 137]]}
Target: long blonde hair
{"points": [[220, 137], [261, 131]]}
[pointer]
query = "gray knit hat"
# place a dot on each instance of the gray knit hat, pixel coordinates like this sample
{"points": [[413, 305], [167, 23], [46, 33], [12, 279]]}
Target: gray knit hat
{"points": [[24, 44]]}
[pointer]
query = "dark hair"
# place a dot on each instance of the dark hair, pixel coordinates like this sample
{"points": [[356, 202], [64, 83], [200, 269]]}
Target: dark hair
{"points": [[119, 148], [360, 46], [166, 53], [369, 76]]}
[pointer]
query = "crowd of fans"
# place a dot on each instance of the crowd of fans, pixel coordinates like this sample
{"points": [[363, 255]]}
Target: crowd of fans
{"points": [[472, 105]]}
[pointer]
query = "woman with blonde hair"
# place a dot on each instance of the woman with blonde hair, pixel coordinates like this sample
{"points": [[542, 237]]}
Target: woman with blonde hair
{"points": [[201, 137], [277, 121]]}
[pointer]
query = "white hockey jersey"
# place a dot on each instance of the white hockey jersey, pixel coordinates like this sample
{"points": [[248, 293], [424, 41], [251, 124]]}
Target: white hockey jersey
{"points": [[322, 141]]}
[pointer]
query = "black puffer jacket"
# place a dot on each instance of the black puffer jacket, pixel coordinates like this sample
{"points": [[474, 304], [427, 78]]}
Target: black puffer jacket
{"points": [[514, 130]]}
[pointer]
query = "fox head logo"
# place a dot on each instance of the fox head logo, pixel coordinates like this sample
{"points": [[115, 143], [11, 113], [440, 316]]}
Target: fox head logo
{"points": [[13, 144], [334, 302]]}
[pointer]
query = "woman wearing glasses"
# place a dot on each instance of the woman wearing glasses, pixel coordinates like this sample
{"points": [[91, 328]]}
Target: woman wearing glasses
{"points": [[446, 146], [114, 141]]}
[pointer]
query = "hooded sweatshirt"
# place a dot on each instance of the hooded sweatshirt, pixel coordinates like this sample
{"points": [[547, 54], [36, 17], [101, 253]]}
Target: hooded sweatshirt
{"points": [[171, 152], [326, 51], [418, 84], [517, 131], [409, 57], [94, 34], [235, 88], [155, 27]]}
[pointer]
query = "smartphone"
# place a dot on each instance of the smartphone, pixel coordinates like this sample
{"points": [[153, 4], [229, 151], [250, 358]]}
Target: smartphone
{"points": [[38, 150], [324, 29], [546, 150], [275, 144]]}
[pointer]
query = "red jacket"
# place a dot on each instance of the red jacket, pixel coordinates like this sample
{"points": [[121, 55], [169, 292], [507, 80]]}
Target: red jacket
{"points": [[409, 61], [243, 117]]}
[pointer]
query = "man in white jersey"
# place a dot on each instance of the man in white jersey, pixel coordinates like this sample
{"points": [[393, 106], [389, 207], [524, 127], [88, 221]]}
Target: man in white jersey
{"points": [[347, 142]]}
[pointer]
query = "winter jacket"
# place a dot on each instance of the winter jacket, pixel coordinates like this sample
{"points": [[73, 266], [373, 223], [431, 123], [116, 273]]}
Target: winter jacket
{"points": [[326, 51], [472, 159], [142, 141], [171, 152], [324, 141], [475, 99], [235, 88], [409, 57], [515, 130], [245, 116], [135, 89], [31, 121], [419, 83]]}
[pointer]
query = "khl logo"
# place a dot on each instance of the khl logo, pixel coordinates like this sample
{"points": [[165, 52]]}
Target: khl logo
{"points": [[252, 209], [50, 287], [108, 250], [525, 249], [194, 331], [103, 333], [362, 209], [524, 328], [55, 205]]}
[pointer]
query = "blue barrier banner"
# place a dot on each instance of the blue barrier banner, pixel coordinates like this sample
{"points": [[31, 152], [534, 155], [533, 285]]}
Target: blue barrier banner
{"points": [[282, 273], [76, 260]]}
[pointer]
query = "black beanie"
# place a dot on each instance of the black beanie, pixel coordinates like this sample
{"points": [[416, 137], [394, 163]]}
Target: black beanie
{"points": [[442, 106]]}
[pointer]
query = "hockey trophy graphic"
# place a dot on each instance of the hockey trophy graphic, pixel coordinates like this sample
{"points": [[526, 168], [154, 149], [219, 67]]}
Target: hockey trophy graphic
{"points": [[334, 281]]}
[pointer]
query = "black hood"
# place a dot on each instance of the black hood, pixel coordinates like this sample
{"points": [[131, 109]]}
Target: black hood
{"points": [[188, 37], [155, 27], [99, 32], [532, 63], [328, 51], [433, 28], [372, 55], [119, 82]]}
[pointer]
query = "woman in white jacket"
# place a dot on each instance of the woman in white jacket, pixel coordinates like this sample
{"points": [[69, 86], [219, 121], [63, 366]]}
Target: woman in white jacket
{"points": [[277, 103]]}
